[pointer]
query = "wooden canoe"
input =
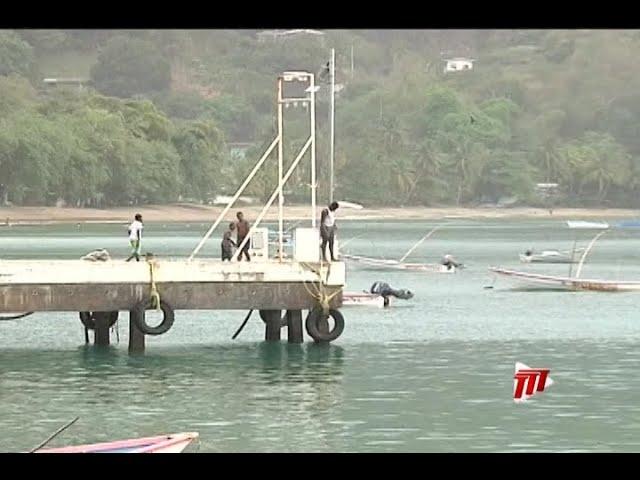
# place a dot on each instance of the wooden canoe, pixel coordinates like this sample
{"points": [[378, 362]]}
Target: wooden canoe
{"points": [[172, 443], [551, 282]]}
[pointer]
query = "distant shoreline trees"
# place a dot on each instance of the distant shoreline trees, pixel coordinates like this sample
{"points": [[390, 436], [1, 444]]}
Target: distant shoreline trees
{"points": [[538, 107]]}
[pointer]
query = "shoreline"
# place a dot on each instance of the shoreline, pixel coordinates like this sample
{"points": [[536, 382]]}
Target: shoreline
{"points": [[203, 213]]}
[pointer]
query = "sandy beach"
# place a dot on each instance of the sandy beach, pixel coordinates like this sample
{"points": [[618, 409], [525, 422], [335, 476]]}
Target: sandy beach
{"points": [[203, 213]]}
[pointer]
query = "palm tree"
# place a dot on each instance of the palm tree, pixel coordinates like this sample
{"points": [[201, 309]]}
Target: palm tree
{"points": [[427, 162]]}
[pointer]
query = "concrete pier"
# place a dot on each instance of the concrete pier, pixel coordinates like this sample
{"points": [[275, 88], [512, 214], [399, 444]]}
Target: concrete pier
{"points": [[75, 285], [116, 286]]}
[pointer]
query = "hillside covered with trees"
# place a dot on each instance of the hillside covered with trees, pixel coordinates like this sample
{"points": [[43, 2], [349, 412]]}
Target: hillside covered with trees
{"points": [[156, 115]]}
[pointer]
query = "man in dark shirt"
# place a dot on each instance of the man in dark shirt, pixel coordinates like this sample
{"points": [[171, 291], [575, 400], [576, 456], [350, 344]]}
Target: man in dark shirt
{"points": [[243, 228], [227, 243]]}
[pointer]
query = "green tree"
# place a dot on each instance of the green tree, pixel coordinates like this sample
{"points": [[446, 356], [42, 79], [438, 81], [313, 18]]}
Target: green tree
{"points": [[157, 171], [16, 55], [46, 40], [129, 66], [201, 148], [16, 93], [32, 155]]}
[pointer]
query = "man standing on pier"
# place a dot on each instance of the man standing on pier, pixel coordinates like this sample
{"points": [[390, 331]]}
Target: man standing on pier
{"points": [[227, 243], [242, 227], [135, 237], [328, 230]]}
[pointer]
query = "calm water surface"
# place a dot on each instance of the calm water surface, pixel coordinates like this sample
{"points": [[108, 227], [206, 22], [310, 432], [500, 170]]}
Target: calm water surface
{"points": [[431, 374]]}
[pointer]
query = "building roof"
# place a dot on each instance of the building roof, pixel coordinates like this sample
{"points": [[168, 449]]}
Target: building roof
{"points": [[66, 80]]}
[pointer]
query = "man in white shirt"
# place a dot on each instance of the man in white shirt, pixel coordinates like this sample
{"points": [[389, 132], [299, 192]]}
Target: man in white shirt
{"points": [[328, 229], [135, 237]]}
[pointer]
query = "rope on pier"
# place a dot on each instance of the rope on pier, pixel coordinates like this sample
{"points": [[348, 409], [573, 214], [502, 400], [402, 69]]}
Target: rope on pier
{"points": [[116, 328], [155, 295], [16, 317], [320, 293]]}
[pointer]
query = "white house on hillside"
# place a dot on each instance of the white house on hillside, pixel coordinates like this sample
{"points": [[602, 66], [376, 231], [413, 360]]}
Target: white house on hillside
{"points": [[458, 64], [281, 34]]}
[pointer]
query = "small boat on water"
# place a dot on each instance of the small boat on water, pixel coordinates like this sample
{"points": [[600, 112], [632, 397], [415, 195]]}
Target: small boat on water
{"points": [[551, 282], [172, 443], [449, 265], [362, 299], [581, 224], [379, 295], [395, 264], [550, 256], [531, 280]]}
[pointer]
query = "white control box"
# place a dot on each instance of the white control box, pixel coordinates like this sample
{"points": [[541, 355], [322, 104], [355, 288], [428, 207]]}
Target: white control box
{"points": [[306, 245], [259, 247]]}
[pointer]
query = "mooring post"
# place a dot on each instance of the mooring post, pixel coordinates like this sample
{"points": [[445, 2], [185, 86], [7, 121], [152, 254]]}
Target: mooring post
{"points": [[294, 326], [272, 326], [136, 337], [101, 330]]}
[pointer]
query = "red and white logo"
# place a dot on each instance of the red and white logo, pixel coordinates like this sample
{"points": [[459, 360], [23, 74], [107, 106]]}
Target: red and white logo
{"points": [[529, 381]]}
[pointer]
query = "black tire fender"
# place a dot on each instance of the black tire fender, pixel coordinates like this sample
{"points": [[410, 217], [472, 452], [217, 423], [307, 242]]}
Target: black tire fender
{"points": [[312, 325], [138, 316]]}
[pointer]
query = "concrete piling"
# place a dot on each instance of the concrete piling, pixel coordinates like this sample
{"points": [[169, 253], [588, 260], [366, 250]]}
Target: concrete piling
{"points": [[294, 326], [136, 337], [101, 330], [272, 326]]}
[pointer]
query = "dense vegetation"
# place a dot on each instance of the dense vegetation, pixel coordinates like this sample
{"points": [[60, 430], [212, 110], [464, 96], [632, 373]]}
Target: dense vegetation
{"points": [[163, 108]]}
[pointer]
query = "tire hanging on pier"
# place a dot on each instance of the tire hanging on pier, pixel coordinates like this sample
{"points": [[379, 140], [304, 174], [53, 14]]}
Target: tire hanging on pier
{"points": [[139, 317], [88, 319], [312, 325], [264, 315]]}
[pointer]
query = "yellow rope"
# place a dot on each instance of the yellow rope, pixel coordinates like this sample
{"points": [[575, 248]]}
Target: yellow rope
{"points": [[155, 295], [320, 295]]}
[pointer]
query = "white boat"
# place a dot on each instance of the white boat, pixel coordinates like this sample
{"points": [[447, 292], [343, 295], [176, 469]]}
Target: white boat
{"points": [[550, 256], [395, 264], [345, 204], [587, 225], [362, 299], [574, 283], [551, 282], [401, 264]]}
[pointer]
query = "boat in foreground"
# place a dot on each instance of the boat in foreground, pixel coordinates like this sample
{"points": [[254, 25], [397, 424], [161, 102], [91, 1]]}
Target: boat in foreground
{"points": [[551, 282], [172, 443], [362, 299]]}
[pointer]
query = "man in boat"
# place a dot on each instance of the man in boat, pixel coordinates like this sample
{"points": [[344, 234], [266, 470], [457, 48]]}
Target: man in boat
{"points": [[450, 262], [328, 230], [135, 237], [242, 227], [228, 244]]}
